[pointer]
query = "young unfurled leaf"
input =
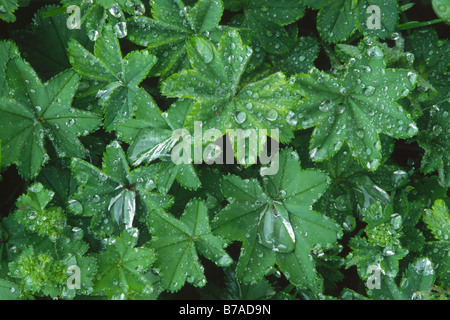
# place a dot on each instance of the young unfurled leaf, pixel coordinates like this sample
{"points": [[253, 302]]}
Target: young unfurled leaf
{"points": [[220, 103], [178, 243], [120, 94], [275, 223], [151, 137], [114, 195], [122, 267], [35, 111], [32, 212], [43, 269], [172, 25], [355, 108]]}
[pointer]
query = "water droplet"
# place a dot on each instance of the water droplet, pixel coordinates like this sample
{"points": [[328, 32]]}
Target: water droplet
{"points": [[93, 35], [369, 91], [301, 58], [291, 118], [115, 11], [272, 115], [412, 76], [120, 29], [240, 117]]}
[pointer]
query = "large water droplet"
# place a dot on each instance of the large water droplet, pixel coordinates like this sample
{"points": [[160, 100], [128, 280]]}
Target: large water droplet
{"points": [[120, 29], [274, 229], [240, 117]]}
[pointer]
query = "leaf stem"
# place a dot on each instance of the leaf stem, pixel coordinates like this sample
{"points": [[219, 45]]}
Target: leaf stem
{"points": [[418, 24]]}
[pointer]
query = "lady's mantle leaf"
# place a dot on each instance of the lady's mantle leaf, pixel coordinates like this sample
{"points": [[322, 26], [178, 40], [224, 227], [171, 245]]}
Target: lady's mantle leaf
{"points": [[120, 94], [122, 267], [172, 25], [178, 243], [214, 85], [355, 108], [114, 195], [36, 111], [275, 223]]}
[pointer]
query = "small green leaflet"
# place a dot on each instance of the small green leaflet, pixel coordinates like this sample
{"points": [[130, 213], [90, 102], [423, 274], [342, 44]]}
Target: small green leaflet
{"points": [[355, 108], [122, 267], [33, 214], [275, 223], [266, 19], [220, 103], [114, 195], [121, 76], [178, 243], [337, 20], [172, 25], [35, 111]]}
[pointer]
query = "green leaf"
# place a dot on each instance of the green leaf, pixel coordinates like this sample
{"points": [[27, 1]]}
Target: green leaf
{"points": [[172, 25], [178, 243], [275, 223], [205, 15], [122, 267], [338, 108], [151, 137], [220, 103], [121, 77], [7, 8], [114, 195], [36, 111], [267, 18], [441, 8]]}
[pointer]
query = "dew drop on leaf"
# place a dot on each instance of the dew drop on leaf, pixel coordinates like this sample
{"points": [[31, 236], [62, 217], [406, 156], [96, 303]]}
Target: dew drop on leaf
{"points": [[272, 115]]}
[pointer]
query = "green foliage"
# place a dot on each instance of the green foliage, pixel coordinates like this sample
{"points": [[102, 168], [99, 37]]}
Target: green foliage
{"points": [[224, 149]]}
